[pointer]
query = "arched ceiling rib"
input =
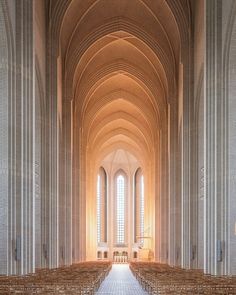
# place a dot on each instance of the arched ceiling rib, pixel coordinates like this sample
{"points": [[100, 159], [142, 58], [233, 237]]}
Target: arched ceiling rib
{"points": [[139, 103], [142, 37], [116, 118], [77, 13], [124, 70], [123, 84], [120, 66], [112, 130], [114, 111], [120, 48]]}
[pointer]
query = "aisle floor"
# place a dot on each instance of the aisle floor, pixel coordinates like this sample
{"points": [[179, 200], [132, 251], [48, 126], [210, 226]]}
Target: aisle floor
{"points": [[120, 281]]}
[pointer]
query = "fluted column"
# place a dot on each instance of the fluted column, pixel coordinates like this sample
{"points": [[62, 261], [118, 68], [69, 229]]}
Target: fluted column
{"points": [[230, 110], [163, 203], [24, 148], [4, 144], [52, 142], [174, 177], [65, 195], [214, 156], [187, 212], [17, 164]]}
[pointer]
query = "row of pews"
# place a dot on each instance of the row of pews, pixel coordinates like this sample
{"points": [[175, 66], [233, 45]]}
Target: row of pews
{"points": [[82, 278], [160, 279]]}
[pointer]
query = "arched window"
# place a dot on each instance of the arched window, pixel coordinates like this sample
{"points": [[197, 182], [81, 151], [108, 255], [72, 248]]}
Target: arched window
{"points": [[120, 207], [102, 206], [139, 207]]}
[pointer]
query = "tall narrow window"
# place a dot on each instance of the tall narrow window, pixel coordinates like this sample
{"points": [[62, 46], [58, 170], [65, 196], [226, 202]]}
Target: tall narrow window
{"points": [[120, 209], [101, 206], [142, 208], [99, 209], [139, 207]]}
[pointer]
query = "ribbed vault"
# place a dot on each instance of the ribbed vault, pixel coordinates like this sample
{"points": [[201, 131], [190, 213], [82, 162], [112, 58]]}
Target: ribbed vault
{"points": [[120, 67]]}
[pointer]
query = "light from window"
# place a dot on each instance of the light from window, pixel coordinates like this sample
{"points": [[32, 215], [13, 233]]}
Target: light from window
{"points": [[99, 209], [142, 207], [120, 209]]}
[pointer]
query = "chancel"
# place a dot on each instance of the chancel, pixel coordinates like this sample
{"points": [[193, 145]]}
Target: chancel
{"points": [[117, 145]]}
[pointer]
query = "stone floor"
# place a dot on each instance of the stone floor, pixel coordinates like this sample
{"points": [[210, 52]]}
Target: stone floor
{"points": [[120, 281]]}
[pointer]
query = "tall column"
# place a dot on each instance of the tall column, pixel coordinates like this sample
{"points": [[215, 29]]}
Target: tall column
{"points": [[174, 202], [214, 140], [25, 120], [4, 143], [17, 164], [53, 131], [78, 248], [164, 191], [188, 221], [228, 112], [65, 194]]}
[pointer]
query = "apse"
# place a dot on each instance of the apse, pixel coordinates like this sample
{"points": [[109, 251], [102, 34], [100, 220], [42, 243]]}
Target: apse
{"points": [[120, 195]]}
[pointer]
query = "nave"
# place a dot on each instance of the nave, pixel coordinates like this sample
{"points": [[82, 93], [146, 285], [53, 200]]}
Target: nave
{"points": [[120, 281], [117, 141]]}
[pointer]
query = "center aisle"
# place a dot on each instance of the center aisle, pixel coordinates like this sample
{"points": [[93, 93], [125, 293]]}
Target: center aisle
{"points": [[120, 281]]}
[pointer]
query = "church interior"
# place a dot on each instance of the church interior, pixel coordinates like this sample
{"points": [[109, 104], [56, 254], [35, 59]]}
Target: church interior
{"points": [[118, 146]]}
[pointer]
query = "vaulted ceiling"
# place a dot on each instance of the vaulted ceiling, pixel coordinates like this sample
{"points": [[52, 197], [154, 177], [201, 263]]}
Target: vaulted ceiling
{"points": [[120, 67]]}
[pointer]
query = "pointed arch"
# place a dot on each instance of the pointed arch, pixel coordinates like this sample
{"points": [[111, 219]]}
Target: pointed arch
{"points": [[101, 206], [138, 206], [120, 208]]}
